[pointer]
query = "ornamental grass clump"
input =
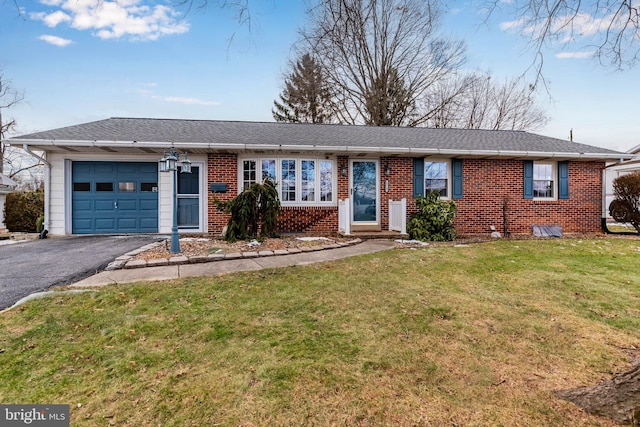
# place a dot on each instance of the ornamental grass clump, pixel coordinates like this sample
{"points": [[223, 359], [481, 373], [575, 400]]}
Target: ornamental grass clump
{"points": [[254, 212], [434, 219]]}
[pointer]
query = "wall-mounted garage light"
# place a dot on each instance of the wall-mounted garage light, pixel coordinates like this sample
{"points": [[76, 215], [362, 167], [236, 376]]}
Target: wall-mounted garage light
{"points": [[169, 163]]}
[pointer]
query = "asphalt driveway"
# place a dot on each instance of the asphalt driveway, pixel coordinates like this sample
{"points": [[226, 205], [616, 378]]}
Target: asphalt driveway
{"points": [[37, 265]]}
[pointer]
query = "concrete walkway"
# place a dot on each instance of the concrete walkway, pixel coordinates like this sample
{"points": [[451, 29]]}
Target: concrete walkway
{"points": [[216, 268]]}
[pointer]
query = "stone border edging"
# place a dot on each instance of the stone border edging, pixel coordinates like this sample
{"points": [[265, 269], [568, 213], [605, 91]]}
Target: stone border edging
{"points": [[126, 261]]}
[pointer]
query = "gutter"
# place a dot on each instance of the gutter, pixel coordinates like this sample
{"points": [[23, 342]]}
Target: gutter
{"points": [[243, 147], [47, 188]]}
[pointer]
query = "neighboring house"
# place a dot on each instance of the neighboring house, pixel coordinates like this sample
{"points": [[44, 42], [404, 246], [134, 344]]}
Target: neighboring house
{"points": [[103, 177], [7, 185], [620, 169]]}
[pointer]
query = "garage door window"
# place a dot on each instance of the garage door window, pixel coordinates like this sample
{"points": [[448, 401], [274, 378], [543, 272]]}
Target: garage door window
{"points": [[149, 187], [81, 186], [126, 187], [104, 186]]}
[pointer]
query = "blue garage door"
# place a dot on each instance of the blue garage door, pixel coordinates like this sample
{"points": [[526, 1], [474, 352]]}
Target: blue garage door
{"points": [[114, 197]]}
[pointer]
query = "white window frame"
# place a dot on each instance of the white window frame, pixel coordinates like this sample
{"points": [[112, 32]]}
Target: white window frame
{"points": [[334, 172], [554, 180], [241, 172], [449, 175], [316, 184], [298, 180]]}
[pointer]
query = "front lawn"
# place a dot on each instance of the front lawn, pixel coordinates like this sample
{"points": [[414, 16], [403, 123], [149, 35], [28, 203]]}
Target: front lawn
{"points": [[478, 335]]}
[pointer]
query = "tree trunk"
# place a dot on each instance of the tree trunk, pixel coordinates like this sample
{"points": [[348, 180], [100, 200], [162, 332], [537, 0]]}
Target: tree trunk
{"points": [[617, 399]]}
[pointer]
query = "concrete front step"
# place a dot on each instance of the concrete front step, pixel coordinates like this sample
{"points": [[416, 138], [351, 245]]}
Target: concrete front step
{"points": [[369, 235]]}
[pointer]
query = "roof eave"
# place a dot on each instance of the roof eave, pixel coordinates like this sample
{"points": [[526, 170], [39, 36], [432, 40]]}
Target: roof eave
{"points": [[332, 148]]}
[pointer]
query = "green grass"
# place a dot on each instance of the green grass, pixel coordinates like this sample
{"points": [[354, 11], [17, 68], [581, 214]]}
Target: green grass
{"points": [[479, 335]]}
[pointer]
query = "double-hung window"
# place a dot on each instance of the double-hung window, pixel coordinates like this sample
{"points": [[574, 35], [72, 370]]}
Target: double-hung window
{"points": [[546, 180], [544, 184], [437, 177], [300, 181]]}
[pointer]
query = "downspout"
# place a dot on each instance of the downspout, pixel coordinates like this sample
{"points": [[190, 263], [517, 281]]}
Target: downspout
{"points": [[603, 215], [47, 188]]}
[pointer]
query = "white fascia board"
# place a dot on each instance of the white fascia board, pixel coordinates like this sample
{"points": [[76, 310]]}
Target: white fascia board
{"points": [[344, 149]]}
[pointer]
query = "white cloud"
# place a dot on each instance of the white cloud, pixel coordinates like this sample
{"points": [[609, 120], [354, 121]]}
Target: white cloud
{"points": [[55, 40], [512, 25], [186, 100], [51, 20], [131, 19], [565, 28], [575, 55]]}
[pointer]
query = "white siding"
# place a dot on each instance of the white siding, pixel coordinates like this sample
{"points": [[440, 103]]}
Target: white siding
{"points": [[611, 174]]}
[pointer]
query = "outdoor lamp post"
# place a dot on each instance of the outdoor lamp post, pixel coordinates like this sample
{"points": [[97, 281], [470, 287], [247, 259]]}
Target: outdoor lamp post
{"points": [[169, 163]]}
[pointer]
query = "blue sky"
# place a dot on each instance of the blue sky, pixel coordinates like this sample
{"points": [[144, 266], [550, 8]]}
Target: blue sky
{"points": [[135, 58]]}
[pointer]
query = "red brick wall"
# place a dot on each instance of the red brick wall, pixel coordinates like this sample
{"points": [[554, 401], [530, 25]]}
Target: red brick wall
{"points": [[400, 185], [313, 219], [487, 186], [493, 186], [221, 168]]}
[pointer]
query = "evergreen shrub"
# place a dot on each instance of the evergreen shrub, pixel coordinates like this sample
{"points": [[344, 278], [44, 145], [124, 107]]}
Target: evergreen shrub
{"points": [[254, 212], [434, 219]]}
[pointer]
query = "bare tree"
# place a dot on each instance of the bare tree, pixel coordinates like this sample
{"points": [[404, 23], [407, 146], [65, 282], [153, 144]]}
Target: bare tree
{"points": [[14, 162], [9, 97], [381, 57], [610, 28], [306, 97], [476, 101]]}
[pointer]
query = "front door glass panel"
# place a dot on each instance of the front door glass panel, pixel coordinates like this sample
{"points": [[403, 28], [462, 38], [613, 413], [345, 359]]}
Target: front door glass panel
{"points": [[364, 175]]}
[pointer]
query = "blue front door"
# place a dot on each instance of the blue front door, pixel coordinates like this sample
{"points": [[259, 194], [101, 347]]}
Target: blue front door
{"points": [[114, 197]]}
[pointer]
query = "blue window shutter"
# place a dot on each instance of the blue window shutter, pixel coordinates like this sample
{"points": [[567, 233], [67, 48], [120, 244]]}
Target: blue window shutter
{"points": [[457, 179], [528, 179], [418, 177], [563, 180]]}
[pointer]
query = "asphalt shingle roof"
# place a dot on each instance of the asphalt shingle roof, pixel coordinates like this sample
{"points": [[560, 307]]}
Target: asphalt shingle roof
{"points": [[323, 135]]}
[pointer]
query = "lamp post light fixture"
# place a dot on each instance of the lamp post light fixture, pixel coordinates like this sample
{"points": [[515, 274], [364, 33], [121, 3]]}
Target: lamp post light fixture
{"points": [[169, 163]]}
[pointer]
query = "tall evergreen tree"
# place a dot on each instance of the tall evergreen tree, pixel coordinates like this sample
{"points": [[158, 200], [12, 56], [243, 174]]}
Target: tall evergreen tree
{"points": [[306, 97]]}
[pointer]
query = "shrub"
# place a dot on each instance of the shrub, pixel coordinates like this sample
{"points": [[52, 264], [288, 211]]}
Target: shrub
{"points": [[253, 211], [434, 219], [22, 210], [627, 189], [626, 206]]}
